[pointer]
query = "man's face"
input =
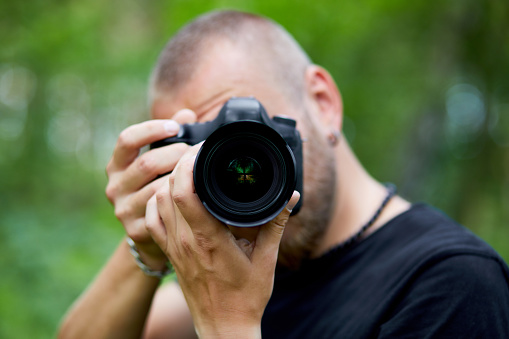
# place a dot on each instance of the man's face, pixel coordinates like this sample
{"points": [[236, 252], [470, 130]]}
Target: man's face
{"points": [[224, 73]]}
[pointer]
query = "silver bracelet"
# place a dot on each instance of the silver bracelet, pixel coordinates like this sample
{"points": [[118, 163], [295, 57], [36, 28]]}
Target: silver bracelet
{"points": [[147, 270]]}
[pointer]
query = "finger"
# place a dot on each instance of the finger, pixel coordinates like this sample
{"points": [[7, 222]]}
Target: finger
{"points": [[137, 231], [185, 116], [165, 209], [136, 136], [133, 205], [154, 225], [180, 175], [269, 237], [149, 165], [187, 201], [139, 199]]}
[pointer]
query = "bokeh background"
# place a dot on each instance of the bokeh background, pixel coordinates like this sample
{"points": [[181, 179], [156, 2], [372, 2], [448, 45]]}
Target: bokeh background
{"points": [[425, 86]]}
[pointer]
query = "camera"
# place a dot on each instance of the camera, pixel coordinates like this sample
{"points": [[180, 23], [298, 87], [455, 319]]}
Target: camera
{"points": [[249, 165]]}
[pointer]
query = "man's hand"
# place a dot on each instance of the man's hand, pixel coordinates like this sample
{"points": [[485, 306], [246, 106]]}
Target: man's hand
{"points": [[227, 282], [131, 178]]}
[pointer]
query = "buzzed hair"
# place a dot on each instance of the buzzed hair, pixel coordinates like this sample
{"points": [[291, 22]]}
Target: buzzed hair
{"points": [[262, 40]]}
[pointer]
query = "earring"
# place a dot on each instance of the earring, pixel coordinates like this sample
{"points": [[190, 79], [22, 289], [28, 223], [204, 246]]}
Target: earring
{"points": [[333, 137]]}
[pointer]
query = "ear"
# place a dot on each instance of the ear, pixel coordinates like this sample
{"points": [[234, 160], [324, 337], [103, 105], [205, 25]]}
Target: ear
{"points": [[324, 96]]}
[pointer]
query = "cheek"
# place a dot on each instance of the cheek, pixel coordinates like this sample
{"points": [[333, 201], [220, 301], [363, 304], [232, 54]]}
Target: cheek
{"points": [[319, 173], [291, 229]]}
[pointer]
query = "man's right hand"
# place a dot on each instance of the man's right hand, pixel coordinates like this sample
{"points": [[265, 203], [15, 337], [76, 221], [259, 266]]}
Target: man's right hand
{"points": [[131, 178]]}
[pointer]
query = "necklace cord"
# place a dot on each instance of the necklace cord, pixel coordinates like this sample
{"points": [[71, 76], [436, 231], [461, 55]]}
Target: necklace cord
{"points": [[391, 192]]}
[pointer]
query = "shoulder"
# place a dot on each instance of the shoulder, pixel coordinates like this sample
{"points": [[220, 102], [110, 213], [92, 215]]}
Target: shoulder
{"points": [[425, 233], [475, 275], [463, 295], [449, 282], [425, 238]]}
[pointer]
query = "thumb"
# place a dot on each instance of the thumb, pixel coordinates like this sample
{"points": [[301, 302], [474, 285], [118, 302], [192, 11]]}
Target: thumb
{"points": [[269, 237]]}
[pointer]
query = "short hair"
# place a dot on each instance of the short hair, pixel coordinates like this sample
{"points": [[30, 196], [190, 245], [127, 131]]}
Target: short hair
{"points": [[262, 40]]}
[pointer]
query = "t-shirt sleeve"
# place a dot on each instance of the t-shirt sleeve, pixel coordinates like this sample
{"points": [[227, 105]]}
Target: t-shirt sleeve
{"points": [[462, 296]]}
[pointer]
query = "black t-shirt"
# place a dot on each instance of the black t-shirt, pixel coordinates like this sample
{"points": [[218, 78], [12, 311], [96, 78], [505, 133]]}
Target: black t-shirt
{"points": [[420, 276]]}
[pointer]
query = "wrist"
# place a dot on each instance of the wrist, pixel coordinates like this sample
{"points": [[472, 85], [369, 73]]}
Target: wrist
{"points": [[156, 261], [150, 254], [154, 268], [228, 327], [229, 331]]}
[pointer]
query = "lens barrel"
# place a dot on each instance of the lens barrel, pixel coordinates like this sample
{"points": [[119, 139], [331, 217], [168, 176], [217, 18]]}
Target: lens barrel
{"points": [[245, 173]]}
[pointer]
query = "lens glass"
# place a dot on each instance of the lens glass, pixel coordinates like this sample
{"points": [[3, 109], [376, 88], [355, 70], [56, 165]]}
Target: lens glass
{"points": [[244, 179], [243, 171]]}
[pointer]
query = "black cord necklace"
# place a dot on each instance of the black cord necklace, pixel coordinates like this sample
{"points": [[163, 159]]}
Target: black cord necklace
{"points": [[391, 192]]}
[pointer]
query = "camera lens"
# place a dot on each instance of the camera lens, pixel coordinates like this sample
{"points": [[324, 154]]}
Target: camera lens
{"points": [[245, 173]]}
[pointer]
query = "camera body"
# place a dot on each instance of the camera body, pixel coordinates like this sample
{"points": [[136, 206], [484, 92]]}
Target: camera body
{"points": [[249, 165]]}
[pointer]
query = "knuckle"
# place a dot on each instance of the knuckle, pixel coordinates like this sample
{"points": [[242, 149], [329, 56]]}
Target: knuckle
{"points": [[109, 168], [160, 196], [189, 162], [171, 178], [185, 243], [125, 138], [137, 235], [146, 164], [180, 151], [123, 212], [280, 223], [179, 198], [111, 192], [282, 218], [278, 229], [150, 226], [151, 190], [180, 148], [205, 243], [278, 226]]}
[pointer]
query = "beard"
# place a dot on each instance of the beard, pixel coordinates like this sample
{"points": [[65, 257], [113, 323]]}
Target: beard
{"points": [[304, 231]]}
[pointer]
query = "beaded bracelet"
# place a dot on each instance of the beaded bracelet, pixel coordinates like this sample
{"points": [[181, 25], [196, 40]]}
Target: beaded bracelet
{"points": [[147, 270]]}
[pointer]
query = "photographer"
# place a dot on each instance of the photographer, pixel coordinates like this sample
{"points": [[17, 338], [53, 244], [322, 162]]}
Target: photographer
{"points": [[357, 261]]}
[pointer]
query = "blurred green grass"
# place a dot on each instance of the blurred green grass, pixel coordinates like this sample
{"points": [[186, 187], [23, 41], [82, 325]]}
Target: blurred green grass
{"points": [[425, 86]]}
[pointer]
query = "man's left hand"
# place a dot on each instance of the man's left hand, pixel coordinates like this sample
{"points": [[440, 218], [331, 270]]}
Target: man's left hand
{"points": [[227, 282]]}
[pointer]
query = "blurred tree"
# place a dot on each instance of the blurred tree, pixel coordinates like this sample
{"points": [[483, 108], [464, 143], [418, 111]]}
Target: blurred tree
{"points": [[425, 86]]}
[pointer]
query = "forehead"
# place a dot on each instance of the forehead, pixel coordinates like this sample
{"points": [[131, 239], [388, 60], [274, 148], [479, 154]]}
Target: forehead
{"points": [[223, 71]]}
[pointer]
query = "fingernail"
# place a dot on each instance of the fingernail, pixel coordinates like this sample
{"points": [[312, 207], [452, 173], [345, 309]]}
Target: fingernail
{"points": [[292, 204], [171, 126]]}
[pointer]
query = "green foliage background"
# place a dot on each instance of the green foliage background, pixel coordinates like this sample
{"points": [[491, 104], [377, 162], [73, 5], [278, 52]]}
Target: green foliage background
{"points": [[425, 86]]}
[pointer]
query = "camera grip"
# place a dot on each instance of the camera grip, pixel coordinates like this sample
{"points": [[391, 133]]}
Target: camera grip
{"points": [[190, 134]]}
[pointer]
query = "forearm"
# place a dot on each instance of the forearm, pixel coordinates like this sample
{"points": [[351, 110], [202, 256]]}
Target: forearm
{"points": [[115, 305]]}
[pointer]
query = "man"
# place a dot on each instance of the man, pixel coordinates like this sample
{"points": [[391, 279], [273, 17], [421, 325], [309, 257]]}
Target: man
{"points": [[356, 262]]}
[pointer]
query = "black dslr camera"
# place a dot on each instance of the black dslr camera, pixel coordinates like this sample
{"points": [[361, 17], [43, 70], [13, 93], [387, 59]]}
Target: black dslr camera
{"points": [[248, 166]]}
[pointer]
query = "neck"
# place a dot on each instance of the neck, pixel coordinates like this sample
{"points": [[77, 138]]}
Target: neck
{"points": [[358, 196]]}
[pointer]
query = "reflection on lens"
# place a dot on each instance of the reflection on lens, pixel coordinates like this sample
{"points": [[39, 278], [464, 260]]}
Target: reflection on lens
{"points": [[244, 171], [243, 178]]}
